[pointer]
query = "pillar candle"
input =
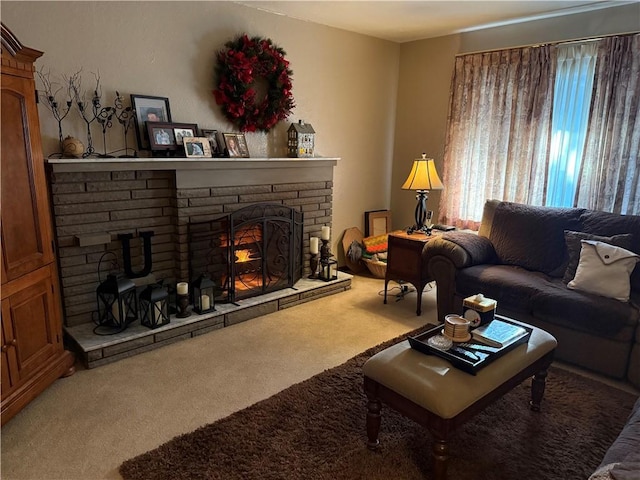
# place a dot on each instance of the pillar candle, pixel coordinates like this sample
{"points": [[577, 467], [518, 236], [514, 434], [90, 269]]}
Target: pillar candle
{"points": [[205, 303], [326, 233], [313, 245], [182, 288]]}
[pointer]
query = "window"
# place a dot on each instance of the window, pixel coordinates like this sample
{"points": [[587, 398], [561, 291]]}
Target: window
{"points": [[575, 68], [546, 125]]}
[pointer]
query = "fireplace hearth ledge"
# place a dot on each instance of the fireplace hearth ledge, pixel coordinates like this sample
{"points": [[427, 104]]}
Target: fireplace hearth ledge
{"points": [[96, 350]]}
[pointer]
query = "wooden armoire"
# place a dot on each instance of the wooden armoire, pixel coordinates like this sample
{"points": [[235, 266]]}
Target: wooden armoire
{"points": [[33, 355]]}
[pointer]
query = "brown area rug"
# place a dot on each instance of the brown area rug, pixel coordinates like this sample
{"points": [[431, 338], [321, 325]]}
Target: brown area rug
{"points": [[316, 430]]}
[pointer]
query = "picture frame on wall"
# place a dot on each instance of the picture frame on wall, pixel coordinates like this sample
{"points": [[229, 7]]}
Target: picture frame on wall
{"points": [[148, 108], [197, 147], [231, 145]]}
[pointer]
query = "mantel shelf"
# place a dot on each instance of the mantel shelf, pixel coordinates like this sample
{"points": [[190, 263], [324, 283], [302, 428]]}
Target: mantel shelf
{"points": [[179, 163]]}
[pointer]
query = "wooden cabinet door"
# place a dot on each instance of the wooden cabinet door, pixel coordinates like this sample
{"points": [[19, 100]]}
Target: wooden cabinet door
{"points": [[30, 325], [26, 224]]}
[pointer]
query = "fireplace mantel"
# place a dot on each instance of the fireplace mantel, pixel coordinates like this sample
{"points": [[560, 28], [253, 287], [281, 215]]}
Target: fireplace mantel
{"points": [[211, 172]]}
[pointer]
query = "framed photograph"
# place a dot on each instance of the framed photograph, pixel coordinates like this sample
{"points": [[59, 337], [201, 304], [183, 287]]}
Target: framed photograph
{"points": [[231, 145], [148, 109], [184, 130], [197, 147], [161, 136], [212, 136], [377, 222], [242, 145]]}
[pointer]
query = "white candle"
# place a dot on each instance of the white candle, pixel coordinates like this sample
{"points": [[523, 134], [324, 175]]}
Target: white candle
{"points": [[313, 245], [326, 233], [205, 303], [182, 288], [115, 311]]}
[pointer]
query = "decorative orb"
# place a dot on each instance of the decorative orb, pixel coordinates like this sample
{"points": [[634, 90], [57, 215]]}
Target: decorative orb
{"points": [[72, 147]]}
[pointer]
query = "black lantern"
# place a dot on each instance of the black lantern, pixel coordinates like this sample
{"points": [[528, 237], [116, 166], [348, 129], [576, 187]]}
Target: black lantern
{"points": [[328, 269], [204, 290], [154, 306], [117, 302]]}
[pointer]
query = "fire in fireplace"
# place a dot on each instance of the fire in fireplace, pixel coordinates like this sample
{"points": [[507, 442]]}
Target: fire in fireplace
{"points": [[252, 251]]}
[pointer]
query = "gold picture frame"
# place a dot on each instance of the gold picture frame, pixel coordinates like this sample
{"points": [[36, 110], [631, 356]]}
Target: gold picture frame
{"points": [[197, 147], [377, 222]]}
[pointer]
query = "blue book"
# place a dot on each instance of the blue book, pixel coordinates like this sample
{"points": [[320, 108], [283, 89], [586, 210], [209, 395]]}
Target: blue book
{"points": [[497, 333]]}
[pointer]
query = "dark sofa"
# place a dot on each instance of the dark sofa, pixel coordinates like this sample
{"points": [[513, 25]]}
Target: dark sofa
{"points": [[520, 258], [622, 460]]}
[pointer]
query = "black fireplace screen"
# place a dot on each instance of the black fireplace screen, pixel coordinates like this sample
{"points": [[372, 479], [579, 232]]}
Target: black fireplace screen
{"points": [[252, 251]]}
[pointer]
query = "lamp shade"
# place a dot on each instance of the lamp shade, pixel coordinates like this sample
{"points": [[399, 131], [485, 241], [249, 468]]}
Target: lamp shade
{"points": [[423, 175]]}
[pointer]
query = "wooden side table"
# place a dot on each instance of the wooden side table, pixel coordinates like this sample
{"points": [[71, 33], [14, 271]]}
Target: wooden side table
{"points": [[404, 262]]}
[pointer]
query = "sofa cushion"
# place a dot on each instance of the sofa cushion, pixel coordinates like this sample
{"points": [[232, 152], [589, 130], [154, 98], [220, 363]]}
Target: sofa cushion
{"points": [[604, 270], [533, 237], [549, 299], [572, 241], [605, 223]]}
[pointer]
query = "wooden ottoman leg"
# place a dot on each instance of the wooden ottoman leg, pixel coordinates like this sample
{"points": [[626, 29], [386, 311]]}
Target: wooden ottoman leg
{"points": [[440, 457], [374, 406], [538, 384]]}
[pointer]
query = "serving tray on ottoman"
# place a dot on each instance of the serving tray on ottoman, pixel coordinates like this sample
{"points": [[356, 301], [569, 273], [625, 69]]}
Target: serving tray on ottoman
{"points": [[469, 356]]}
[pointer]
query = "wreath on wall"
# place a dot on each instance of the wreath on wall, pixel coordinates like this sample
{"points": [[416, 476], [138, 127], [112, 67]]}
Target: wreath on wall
{"points": [[253, 83]]}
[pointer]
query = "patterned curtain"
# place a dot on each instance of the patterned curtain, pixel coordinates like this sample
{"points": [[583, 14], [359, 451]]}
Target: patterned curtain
{"points": [[610, 176], [498, 138]]}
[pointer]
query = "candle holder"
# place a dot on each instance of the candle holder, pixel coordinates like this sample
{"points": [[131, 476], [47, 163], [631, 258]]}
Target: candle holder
{"points": [[183, 304], [313, 265]]}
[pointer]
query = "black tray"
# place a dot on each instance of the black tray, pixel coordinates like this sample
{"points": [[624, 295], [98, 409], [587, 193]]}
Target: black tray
{"points": [[459, 360]]}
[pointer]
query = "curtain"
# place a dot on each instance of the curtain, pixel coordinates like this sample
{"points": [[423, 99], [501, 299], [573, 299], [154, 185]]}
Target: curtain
{"points": [[610, 176], [498, 131], [575, 69]]}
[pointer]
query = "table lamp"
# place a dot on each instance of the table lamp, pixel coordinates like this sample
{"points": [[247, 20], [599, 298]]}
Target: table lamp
{"points": [[422, 178]]}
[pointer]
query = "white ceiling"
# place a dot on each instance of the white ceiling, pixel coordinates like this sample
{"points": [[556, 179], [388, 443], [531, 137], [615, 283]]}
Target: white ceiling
{"points": [[405, 21]]}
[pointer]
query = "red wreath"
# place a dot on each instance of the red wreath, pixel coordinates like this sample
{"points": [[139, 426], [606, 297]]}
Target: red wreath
{"points": [[245, 61]]}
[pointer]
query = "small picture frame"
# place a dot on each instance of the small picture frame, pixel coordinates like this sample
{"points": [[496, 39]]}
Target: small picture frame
{"points": [[184, 130], [148, 109], [231, 145], [212, 136], [242, 145], [197, 147]]}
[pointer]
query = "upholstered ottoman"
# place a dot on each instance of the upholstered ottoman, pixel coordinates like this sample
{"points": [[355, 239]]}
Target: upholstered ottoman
{"points": [[438, 396]]}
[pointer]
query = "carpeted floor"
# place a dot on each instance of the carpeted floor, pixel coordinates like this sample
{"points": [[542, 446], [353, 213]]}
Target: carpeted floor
{"points": [[316, 430]]}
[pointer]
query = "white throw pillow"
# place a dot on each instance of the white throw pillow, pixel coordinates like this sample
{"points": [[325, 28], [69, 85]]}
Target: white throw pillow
{"points": [[604, 270]]}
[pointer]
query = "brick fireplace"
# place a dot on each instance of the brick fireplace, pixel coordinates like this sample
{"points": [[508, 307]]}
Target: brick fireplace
{"points": [[94, 200]]}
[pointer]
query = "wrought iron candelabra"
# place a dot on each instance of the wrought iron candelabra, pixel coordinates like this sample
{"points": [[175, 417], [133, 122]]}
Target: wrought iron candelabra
{"points": [[125, 116], [48, 97]]}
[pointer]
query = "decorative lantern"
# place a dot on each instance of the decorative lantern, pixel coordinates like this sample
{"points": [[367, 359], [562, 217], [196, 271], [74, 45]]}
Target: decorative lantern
{"points": [[117, 302], [300, 140], [154, 306], [204, 290], [328, 269]]}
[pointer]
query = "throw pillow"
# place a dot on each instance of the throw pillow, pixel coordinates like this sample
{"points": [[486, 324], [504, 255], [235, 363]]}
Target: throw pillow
{"points": [[572, 240], [604, 270]]}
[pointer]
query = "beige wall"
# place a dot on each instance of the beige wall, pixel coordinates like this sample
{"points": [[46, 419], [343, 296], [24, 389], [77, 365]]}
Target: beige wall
{"points": [[375, 104], [344, 84], [425, 75]]}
